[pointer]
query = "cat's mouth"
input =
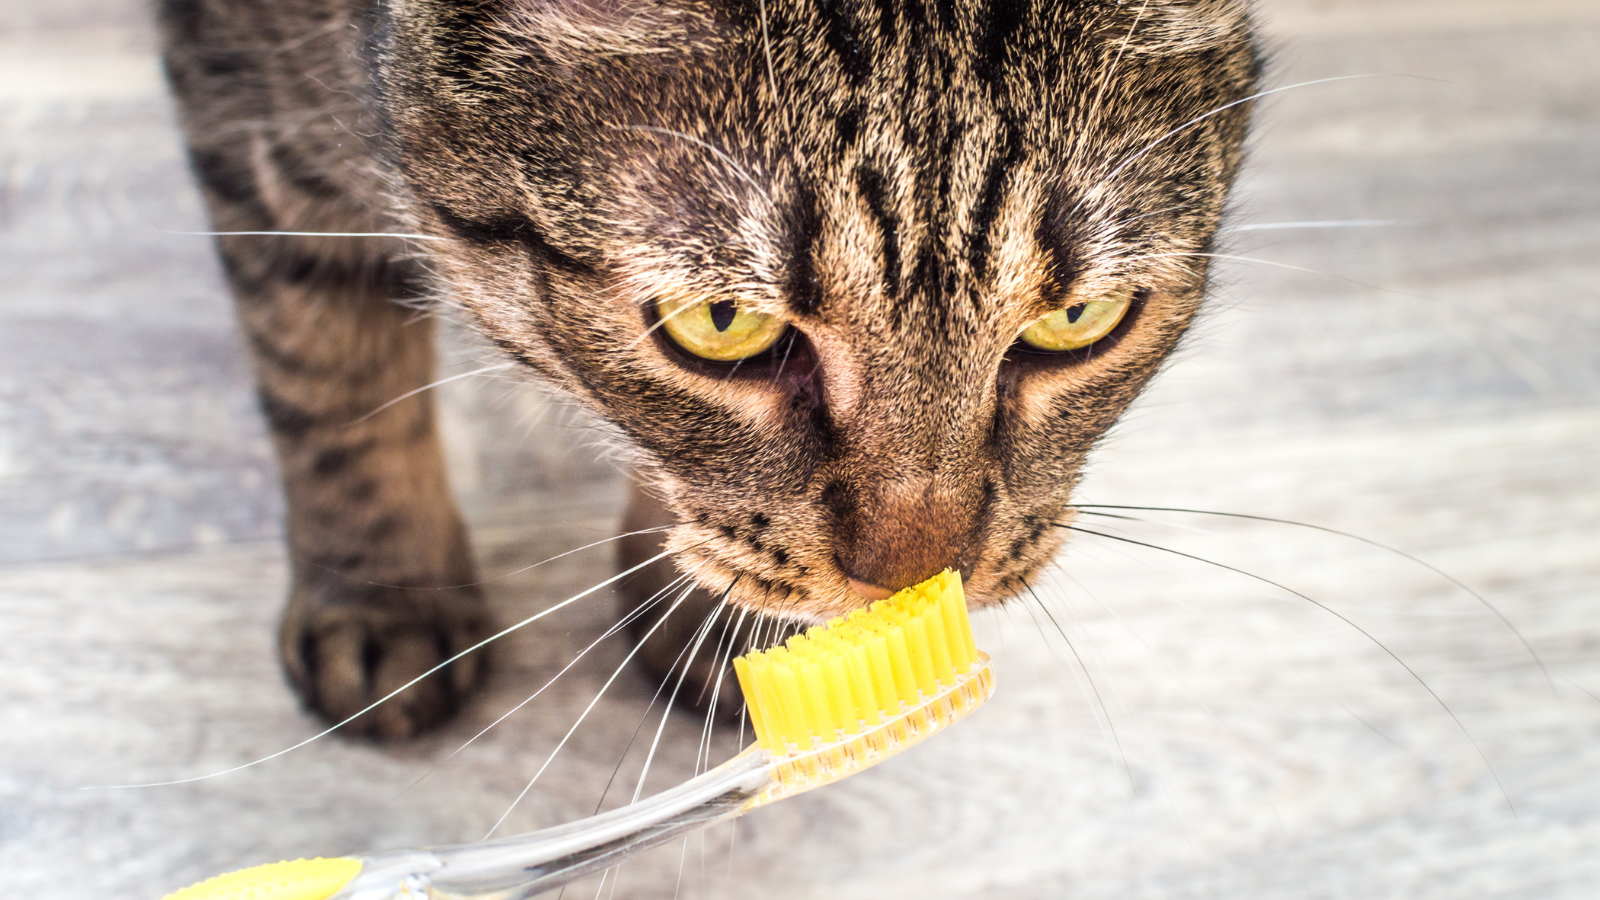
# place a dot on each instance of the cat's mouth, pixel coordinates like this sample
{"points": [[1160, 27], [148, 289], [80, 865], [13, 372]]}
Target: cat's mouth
{"points": [[818, 586]]}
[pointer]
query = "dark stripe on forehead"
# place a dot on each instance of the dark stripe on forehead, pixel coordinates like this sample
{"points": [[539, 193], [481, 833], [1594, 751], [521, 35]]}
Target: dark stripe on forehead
{"points": [[466, 41], [887, 27], [844, 42], [1008, 155], [1056, 235], [849, 127], [803, 289], [870, 182], [1005, 21], [933, 280]]}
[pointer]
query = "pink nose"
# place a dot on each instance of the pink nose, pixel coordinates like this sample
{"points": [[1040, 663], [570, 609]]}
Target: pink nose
{"points": [[870, 591]]}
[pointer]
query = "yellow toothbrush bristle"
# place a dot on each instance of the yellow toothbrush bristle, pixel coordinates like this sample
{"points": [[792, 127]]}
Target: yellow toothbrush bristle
{"points": [[856, 690], [300, 879]]}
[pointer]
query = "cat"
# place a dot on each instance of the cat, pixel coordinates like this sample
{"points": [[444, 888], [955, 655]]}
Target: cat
{"points": [[861, 281]]}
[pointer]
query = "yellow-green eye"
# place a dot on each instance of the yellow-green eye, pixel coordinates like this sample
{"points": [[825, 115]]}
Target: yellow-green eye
{"points": [[1078, 325], [718, 329]]}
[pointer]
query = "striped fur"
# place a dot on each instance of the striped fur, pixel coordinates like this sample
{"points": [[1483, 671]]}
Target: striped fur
{"points": [[908, 183]]}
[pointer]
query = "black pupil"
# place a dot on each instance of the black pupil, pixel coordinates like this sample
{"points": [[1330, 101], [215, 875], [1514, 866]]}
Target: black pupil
{"points": [[722, 313], [1073, 312]]}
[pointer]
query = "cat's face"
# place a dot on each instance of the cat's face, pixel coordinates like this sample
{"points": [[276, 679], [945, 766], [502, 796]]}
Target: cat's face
{"points": [[906, 186]]}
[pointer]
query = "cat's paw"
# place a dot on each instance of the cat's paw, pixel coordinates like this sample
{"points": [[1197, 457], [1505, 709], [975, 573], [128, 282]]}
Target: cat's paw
{"points": [[344, 650]]}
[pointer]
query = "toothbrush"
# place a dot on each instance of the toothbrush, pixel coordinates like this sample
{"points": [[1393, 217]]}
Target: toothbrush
{"points": [[826, 704]]}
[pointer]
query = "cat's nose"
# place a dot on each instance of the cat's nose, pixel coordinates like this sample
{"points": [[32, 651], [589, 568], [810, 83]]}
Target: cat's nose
{"points": [[904, 534], [870, 591]]}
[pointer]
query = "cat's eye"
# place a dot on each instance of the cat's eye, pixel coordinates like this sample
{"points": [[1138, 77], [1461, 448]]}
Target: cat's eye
{"points": [[718, 330], [1079, 325]]}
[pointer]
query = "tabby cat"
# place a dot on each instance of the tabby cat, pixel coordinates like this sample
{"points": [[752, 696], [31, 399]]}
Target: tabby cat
{"points": [[862, 281]]}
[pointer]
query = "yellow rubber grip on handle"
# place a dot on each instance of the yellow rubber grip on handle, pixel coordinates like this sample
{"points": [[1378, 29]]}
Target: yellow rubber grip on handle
{"points": [[301, 879]]}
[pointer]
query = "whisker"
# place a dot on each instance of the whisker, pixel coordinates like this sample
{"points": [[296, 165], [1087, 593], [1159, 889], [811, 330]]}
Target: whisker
{"points": [[635, 613], [1580, 687], [1118, 518], [720, 671], [738, 169], [1330, 223], [615, 880], [700, 636], [1216, 721], [1267, 262], [1105, 79], [658, 323], [682, 858], [638, 727], [350, 234], [590, 708], [428, 387], [1158, 769], [1504, 620], [766, 46], [1219, 110], [504, 575], [788, 347], [1095, 689], [1336, 614], [397, 691]]}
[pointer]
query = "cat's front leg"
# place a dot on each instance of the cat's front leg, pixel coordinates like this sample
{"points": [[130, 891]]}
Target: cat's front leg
{"points": [[382, 577], [383, 582]]}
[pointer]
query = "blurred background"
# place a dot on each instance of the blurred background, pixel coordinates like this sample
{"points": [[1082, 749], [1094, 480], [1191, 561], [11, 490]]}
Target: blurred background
{"points": [[1405, 345]]}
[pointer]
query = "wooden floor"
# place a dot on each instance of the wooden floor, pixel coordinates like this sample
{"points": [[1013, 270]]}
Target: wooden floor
{"points": [[1431, 382]]}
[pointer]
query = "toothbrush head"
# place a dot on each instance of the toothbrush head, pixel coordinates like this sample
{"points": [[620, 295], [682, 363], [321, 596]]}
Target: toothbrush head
{"points": [[853, 692], [300, 879]]}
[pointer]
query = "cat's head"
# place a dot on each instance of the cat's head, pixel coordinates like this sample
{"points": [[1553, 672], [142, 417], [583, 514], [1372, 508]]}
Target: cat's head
{"points": [[863, 280]]}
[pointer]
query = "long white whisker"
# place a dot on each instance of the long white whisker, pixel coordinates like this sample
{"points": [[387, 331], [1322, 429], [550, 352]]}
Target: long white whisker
{"points": [[1216, 721], [1458, 583], [718, 669], [527, 568], [352, 234], [682, 858], [590, 708], [1330, 223], [1108, 729], [766, 46], [700, 636], [643, 717], [1219, 110], [397, 691], [635, 613], [738, 169], [428, 387], [1461, 726], [1268, 262]]}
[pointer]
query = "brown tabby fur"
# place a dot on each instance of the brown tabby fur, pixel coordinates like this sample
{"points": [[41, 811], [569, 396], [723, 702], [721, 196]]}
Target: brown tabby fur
{"points": [[909, 183]]}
